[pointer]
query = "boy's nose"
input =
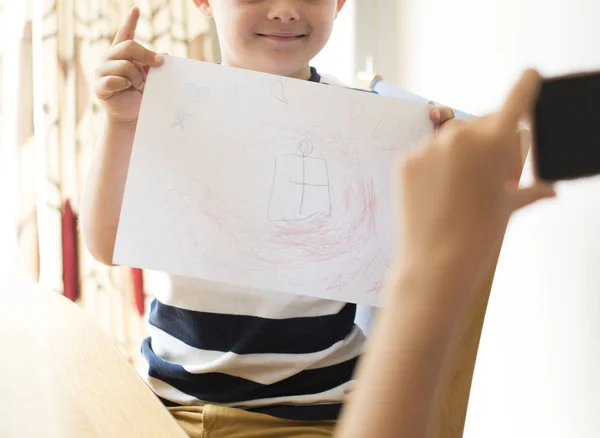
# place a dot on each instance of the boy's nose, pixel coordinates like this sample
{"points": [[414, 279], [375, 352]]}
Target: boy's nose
{"points": [[284, 10]]}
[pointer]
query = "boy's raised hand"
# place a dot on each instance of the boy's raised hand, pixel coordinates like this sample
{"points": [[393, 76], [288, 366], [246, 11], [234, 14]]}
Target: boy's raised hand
{"points": [[458, 191], [121, 77]]}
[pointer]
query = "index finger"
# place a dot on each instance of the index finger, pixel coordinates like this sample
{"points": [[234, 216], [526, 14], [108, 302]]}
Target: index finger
{"points": [[127, 30], [133, 51], [521, 99]]}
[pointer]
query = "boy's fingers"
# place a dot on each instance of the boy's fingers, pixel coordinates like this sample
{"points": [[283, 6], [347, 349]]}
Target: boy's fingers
{"points": [[109, 85], [122, 68], [441, 115], [127, 30], [450, 126], [520, 100], [133, 51], [143, 69]]}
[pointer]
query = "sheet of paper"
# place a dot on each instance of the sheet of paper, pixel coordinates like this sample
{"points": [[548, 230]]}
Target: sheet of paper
{"points": [[388, 89], [266, 182]]}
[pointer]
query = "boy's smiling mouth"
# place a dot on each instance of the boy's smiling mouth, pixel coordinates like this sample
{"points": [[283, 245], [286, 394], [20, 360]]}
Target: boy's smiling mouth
{"points": [[282, 36]]}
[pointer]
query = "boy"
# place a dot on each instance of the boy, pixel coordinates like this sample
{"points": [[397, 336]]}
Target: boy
{"points": [[221, 357]]}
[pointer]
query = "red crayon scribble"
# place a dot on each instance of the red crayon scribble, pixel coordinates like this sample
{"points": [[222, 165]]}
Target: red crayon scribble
{"points": [[388, 263], [366, 194], [337, 285], [347, 200], [377, 285], [374, 260], [347, 229], [325, 238], [292, 245]]}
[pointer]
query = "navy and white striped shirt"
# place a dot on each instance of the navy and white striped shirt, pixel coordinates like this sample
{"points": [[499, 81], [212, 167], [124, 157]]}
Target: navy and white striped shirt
{"points": [[284, 355]]}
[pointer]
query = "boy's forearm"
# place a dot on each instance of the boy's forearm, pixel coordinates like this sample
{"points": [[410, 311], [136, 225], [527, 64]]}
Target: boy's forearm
{"points": [[105, 185], [398, 385]]}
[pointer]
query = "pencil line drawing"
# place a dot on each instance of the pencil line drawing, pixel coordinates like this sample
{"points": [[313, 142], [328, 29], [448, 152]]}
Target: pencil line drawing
{"points": [[355, 110], [306, 148], [300, 187], [388, 130], [177, 201], [386, 127], [189, 245], [181, 116], [278, 91], [417, 127], [195, 93]]}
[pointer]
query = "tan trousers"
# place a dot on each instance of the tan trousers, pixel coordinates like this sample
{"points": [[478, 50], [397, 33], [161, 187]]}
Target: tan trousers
{"points": [[222, 422]]}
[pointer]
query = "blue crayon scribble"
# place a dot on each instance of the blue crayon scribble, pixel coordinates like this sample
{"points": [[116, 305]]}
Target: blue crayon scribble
{"points": [[180, 118]]}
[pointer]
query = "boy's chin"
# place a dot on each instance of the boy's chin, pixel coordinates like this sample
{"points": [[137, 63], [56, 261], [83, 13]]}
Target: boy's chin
{"points": [[281, 65], [288, 69]]}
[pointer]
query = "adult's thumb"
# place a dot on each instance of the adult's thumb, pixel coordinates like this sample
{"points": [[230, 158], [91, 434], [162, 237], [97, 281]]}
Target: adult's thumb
{"points": [[522, 197]]}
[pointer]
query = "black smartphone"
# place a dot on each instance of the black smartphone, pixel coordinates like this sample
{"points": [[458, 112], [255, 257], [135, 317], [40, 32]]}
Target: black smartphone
{"points": [[566, 127]]}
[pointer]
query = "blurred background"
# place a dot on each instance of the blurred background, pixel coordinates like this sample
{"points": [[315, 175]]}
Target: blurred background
{"points": [[464, 53]]}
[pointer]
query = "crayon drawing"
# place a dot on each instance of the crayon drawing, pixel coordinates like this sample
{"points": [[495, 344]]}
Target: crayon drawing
{"points": [[300, 187]]}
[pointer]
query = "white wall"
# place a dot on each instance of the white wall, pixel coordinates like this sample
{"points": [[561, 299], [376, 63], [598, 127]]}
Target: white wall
{"points": [[538, 370], [377, 37], [337, 58], [365, 37], [468, 52]]}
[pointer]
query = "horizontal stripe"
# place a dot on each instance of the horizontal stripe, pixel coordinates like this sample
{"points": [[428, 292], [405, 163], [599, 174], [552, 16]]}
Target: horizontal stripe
{"points": [[171, 396], [312, 407], [289, 411], [224, 388], [249, 334], [211, 297], [334, 395], [314, 412], [168, 403], [264, 369]]}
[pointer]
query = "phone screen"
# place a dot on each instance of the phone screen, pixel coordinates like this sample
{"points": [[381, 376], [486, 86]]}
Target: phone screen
{"points": [[567, 127]]}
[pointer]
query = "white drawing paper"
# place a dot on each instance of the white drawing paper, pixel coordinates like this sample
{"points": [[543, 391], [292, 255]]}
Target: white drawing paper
{"points": [[266, 182]]}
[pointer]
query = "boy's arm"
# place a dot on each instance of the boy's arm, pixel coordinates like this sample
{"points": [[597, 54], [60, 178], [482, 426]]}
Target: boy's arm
{"points": [[120, 81], [103, 195]]}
